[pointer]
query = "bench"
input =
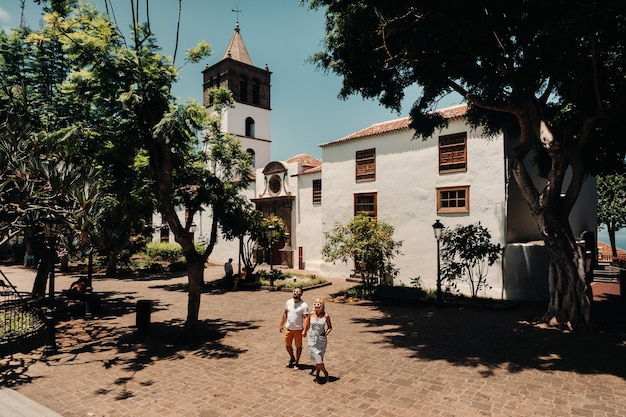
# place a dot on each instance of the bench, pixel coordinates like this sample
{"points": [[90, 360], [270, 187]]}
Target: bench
{"points": [[89, 301]]}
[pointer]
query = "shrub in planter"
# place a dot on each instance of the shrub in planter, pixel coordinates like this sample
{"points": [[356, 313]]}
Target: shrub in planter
{"points": [[178, 266], [161, 251]]}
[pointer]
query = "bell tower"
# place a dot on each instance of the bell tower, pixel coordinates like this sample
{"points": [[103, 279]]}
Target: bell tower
{"points": [[250, 119]]}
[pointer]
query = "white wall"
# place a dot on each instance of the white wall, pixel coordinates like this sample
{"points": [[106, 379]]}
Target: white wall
{"points": [[407, 176], [306, 223], [234, 120]]}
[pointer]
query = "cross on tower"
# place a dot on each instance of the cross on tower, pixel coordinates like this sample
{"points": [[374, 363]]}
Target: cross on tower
{"points": [[236, 11]]}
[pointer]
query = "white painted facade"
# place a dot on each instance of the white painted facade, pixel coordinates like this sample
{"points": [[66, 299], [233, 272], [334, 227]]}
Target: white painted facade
{"points": [[234, 122], [407, 177]]}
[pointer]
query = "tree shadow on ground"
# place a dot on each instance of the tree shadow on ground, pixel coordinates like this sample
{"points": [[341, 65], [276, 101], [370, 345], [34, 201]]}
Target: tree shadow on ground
{"points": [[15, 372], [493, 341], [110, 304], [214, 287], [130, 350]]}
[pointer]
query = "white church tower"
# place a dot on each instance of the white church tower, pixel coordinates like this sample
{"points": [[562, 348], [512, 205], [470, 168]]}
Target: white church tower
{"points": [[250, 119]]}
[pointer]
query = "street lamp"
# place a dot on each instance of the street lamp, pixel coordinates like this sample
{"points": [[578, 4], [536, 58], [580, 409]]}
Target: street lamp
{"points": [[438, 229], [51, 226]]}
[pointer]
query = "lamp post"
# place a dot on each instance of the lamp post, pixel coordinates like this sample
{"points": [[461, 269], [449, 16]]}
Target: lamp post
{"points": [[438, 229], [51, 226], [272, 230]]}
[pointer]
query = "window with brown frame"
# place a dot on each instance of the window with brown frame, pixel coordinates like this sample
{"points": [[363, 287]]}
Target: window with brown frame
{"points": [[165, 234], [453, 199], [453, 152], [365, 203], [366, 165], [317, 191]]}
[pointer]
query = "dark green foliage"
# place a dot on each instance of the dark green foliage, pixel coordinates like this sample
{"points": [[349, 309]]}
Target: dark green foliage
{"points": [[612, 205], [549, 74], [467, 253]]}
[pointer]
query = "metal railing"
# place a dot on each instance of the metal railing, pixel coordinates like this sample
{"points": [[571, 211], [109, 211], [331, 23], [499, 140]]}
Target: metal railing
{"points": [[19, 313]]}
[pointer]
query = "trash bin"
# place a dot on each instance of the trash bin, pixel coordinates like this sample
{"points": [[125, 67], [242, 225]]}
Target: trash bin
{"points": [[144, 308]]}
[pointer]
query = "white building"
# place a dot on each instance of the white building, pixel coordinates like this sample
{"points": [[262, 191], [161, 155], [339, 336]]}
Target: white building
{"points": [[458, 176]]}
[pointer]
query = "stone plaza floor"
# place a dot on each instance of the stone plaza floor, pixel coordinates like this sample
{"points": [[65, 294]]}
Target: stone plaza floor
{"points": [[383, 360]]}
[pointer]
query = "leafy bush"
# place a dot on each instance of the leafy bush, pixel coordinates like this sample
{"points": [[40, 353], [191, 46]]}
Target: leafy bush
{"points": [[289, 281], [162, 251], [368, 242], [467, 253], [154, 267]]}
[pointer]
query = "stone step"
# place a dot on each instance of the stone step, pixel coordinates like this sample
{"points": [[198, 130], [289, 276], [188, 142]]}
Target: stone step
{"points": [[14, 404]]}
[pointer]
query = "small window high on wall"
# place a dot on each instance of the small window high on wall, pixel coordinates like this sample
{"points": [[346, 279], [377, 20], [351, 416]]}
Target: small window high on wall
{"points": [[366, 165], [250, 127], [453, 153], [317, 191]]}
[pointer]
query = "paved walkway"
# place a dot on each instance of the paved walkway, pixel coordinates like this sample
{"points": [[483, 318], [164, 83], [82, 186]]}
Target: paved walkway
{"points": [[383, 361]]}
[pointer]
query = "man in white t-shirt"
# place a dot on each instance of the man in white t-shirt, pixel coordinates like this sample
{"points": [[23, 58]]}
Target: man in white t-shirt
{"points": [[295, 323]]}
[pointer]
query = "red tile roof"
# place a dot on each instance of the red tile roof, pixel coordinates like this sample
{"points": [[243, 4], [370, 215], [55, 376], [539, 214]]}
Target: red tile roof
{"points": [[397, 125], [308, 164], [605, 250], [305, 160]]}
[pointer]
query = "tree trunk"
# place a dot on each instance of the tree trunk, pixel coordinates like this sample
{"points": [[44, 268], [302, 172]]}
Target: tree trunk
{"points": [[570, 291], [28, 250], [111, 264], [611, 231], [43, 270], [195, 271]]}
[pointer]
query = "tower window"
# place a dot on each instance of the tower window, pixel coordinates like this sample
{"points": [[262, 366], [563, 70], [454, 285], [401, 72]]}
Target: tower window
{"points": [[243, 89], [256, 94], [250, 127]]}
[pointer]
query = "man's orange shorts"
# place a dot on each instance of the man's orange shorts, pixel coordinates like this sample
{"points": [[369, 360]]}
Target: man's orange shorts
{"points": [[293, 336]]}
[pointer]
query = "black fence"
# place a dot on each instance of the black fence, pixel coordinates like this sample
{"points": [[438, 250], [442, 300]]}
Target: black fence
{"points": [[21, 324]]}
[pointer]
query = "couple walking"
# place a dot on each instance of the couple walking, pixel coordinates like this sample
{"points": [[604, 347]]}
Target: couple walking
{"points": [[296, 322]]}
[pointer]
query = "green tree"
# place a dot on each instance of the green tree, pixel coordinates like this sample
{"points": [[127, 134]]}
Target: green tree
{"points": [[369, 243], [35, 73], [467, 254], [254, 232], [129, 83], [548, 73], [612, 205], [41, 144]]}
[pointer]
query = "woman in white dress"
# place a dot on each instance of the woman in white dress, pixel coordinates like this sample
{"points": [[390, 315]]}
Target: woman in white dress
{"points": [[320, 327]]}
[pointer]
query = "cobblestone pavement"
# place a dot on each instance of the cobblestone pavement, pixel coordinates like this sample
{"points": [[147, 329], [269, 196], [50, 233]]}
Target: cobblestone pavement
{"points": [[383, 360]]}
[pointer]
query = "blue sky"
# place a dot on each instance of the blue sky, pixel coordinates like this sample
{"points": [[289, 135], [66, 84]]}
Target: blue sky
{"points": [[282, 34]]}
